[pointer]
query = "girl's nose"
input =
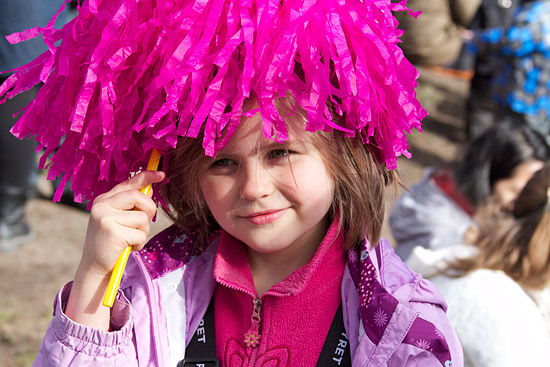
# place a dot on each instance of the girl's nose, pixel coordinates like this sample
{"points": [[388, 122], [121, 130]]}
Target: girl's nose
{"points": [[256, 182]]}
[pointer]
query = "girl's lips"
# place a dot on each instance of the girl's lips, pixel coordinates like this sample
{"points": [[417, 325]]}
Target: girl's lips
{"points": [[266, 217]]}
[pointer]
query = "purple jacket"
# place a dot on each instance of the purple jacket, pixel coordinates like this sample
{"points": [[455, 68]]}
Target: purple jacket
{"points": [[392, 316]]}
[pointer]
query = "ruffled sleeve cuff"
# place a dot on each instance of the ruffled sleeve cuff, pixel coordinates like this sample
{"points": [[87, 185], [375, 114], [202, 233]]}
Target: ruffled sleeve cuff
{"points": [[89, 340]]}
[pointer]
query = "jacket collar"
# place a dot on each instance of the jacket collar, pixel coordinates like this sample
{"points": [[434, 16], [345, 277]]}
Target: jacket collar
{"points": [[232, 268]]}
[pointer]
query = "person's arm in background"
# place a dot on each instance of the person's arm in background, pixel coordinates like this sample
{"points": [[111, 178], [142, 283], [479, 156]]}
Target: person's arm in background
{"points": [[463, 11]]}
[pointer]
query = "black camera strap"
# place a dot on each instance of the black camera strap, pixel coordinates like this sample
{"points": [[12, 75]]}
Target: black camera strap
{"points": [[201, 351]]}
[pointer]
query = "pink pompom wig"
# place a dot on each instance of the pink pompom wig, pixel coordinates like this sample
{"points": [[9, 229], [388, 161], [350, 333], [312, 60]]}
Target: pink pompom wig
{"points": [[127, 76]]}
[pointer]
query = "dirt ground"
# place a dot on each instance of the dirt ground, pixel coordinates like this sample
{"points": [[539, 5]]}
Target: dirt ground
{"points": [[32, 275]]}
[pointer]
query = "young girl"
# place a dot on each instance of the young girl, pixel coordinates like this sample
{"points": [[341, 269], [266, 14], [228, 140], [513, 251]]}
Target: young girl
{"points": [[275, 257], [270, 234], [498, 287]]}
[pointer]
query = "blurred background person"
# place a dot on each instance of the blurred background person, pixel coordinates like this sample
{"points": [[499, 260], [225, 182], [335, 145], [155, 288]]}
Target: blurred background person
{"points": [[517, 70], [17, 158], [436, 37], [497, 288], [481, 106], [438, 210]]}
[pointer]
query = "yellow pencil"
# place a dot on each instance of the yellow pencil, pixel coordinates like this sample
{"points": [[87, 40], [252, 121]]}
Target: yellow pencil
{"points": [[118, 269]]}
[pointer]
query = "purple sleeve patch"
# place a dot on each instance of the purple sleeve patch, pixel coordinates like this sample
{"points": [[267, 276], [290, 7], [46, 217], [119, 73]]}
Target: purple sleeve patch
{"points": [[425, 335], [378, 305], [169, 250]]}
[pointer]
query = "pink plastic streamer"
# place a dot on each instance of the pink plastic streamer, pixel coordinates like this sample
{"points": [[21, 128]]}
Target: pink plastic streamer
{"points": [[134, 75]]}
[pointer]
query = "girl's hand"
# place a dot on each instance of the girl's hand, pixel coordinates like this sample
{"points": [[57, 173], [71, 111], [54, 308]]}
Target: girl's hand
{"points": [[118, 219]]}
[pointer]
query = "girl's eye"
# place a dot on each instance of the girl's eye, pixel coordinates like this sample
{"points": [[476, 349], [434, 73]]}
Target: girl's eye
{"points": [[223, 162], [278, 153]]}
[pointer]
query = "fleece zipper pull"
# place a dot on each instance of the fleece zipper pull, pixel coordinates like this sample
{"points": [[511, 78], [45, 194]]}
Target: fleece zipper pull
{"points": [[252, 336]]}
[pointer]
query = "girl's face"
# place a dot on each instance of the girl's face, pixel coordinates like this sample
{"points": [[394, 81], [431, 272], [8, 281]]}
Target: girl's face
{"points": [[508, 189], [270, 196]]}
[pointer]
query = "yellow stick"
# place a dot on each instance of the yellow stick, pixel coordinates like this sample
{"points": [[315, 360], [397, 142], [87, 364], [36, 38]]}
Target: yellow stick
{"points": [[118, 269]]}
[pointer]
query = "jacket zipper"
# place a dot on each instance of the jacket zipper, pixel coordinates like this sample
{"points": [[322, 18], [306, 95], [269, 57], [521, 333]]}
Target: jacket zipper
{"points": [[148, 286], [252, 336]]}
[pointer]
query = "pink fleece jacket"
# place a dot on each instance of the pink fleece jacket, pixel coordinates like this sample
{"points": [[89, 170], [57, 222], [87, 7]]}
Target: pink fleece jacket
{"points": [[295, 314]]}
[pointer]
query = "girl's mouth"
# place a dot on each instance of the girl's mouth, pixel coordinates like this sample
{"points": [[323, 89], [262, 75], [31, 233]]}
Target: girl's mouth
{"points": [[265, 217]]}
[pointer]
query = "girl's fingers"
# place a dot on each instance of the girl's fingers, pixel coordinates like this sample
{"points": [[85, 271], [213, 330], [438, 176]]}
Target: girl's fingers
{"points": [[137, 182], [134, 220], [118, 219], [108, 235], [143, 179], [126, 195], [135, 238], [132, 200]]}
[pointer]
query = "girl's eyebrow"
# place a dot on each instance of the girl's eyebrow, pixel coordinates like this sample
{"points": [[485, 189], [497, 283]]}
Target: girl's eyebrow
{"points": [[264, 146], [276, 145], [284, 144]]}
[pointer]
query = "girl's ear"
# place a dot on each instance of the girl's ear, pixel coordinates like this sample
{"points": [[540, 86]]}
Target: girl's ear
{"points": [[471, 235]]}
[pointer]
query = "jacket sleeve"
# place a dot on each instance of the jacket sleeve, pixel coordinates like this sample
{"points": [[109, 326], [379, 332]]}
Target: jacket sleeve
{"points": [[419, 348], [429, 339], [68, 343]]}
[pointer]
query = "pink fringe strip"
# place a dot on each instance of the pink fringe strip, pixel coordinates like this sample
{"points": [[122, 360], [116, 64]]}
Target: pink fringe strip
{"points": [[134, 75]]}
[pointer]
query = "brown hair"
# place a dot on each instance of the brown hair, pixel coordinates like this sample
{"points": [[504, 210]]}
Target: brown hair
{"points": [[359, 178], [516, 241]]}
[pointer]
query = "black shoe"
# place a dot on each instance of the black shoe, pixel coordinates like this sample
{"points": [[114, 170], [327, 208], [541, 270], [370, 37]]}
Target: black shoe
{"points": [[14, 230], [14, 235]]}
